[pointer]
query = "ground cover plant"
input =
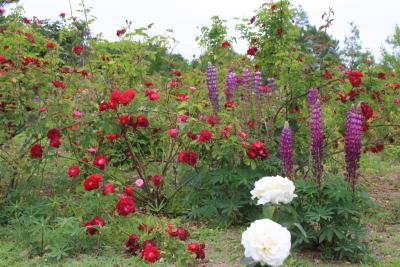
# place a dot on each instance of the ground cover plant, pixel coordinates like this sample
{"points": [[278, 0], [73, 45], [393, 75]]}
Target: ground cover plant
{"points": [[126, 149]]}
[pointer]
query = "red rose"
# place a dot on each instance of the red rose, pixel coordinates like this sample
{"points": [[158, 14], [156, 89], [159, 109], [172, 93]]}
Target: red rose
{"points": [[382, 76], [176, 72], [354, 77], [156, 180], [73, 171], [205, 136], [111, 137], [152, 95], [180, 232], [252, 51], [36, 151], [188, 157], [212, 120], [182, 97], [191, 135], [328, 75], [251, 123], [59, 84], [108, 189], [121, 32], [142, 121], [92, 182], [149, 83], [252, 20], [103, 106], [225, 44], [97, 221], [131, 245], [252, 153], [55, 142], [125, 205], [78, 49], [197, 248], [50, 45], [367, 111], [100, 161], [53, 134], [126, 119], [150, 253], [128, 190], [126, 97]]}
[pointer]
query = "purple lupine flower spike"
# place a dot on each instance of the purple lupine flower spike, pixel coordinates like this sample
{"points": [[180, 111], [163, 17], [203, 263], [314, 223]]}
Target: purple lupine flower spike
{"points": [[286, 150], [312, 97], [258, 94], [271, 84], [317, 141], [212, 86], [246, 83], [231, 84], [353, 144]]}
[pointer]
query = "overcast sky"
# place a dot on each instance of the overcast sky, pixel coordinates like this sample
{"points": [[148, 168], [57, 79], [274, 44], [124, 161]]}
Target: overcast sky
{"points": [[375, 19]]}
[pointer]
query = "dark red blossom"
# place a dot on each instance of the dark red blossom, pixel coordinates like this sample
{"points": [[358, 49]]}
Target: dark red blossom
{"points": [[382, 76], [355, 77], [156, 180], [367, 111], [204, 136], [108, 189], [197, 248], [125, 205], [78, 49], [36, 151], [132, 245], [225, 44], [97, 221], [100, 161], [188, 157], [150, 253], [73, 171], [142, 121], [180, 232], [92, 182], [59, 84], [252, 51]]}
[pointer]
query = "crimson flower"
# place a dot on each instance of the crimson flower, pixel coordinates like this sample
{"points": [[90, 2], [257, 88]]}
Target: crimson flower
{"points": [[188, 157], [225, 44], [142, 121], [131, 245], [50, 45], [108, 189], [128, 190], [125, 205], [97, 221], [92, 182], [180, 232], [150, 253], [367, 111], [78, 49], [252, 51], [100, 161], [197, 248], [204, 136], [182, 97], [73, 171], [36, 151], [156, 180]]}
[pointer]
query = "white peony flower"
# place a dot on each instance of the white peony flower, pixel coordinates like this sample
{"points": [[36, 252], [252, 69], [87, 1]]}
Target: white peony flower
{"points": [[273, 189], [266, 242]]}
